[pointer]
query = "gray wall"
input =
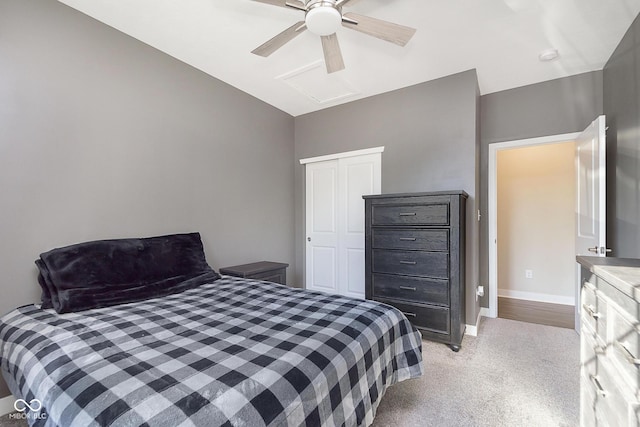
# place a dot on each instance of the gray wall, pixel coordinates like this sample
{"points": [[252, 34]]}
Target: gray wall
{"points": [[429, 132], [102, 136], [554, 107], [622, 107]]}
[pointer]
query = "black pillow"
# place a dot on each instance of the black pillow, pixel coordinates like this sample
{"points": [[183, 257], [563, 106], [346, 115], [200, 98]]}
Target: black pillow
{"points": [[108, 272], [48, 290]]}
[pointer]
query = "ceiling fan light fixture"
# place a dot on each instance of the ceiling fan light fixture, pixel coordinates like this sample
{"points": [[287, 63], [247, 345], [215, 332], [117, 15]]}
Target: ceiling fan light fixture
{"points": [[323, 20]]}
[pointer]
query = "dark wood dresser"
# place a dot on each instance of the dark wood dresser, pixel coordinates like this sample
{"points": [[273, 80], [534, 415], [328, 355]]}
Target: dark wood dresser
{"points": [[415, 259], [263, 270]]}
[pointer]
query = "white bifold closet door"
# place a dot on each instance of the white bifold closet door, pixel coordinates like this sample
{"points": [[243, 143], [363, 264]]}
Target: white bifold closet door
{"points": [[335, 222]]}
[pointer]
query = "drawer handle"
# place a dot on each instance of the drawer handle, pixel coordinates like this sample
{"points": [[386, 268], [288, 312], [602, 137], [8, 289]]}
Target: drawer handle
{"points": [[599, 388], [628, 355], [408, 262], [592, 311], [409, 314], [408, 239], [407, 288], [407, 214]]}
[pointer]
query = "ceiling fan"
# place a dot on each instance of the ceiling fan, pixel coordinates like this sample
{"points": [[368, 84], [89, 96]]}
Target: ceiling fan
{"points": [[323, 18]]}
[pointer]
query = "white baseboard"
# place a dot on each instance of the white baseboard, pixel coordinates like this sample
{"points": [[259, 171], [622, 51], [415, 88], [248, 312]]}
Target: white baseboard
{"points": [[534, 296], [472, 330], [6, 405]]}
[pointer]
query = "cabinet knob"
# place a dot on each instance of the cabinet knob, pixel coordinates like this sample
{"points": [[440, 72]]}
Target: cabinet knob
{"points": [[308, 239]]}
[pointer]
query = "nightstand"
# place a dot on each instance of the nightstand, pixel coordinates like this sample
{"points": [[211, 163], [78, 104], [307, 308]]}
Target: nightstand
{"points": [[263, 270]]}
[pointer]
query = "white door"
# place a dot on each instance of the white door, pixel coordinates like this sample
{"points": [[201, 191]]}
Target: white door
{"points": [[358, 176], [590, 197], [591, 190], [335, 222], [322, 226]]}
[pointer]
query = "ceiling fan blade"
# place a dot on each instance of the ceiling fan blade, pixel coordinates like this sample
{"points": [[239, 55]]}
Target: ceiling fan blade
{"points": [[384, 30], [280, 40], [282, 3], [332, 54], [341, 3]]}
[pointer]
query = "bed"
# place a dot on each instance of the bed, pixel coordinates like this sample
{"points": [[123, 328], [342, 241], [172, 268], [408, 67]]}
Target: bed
{"points": [[222, 351]]}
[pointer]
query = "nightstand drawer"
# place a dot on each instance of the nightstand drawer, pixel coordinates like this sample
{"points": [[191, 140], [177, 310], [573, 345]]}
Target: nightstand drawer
{"points": [[430, 318], [437, 214], [412, 239], [275, 272], [432, 291], [414, 263], [278, 276]]}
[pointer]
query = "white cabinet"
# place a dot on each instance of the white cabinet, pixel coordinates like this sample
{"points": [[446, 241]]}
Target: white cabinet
{"points": [[610, 342]]}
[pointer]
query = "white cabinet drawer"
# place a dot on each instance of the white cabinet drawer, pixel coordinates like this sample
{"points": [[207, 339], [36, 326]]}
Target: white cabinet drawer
{"points": [[587, 402], [590, 349], [625, 348], [614, 406], [610, 342], [594, 309]]}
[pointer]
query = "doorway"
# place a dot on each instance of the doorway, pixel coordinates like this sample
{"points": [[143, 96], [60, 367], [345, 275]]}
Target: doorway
{"points": [[530, 270], [536, 187]]}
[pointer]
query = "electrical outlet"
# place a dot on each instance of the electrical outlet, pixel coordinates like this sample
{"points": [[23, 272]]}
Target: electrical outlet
{"points": [[528, 274]]}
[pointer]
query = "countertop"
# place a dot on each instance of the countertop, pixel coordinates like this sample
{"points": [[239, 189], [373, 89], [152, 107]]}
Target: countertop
{"points": [[623, 273]]}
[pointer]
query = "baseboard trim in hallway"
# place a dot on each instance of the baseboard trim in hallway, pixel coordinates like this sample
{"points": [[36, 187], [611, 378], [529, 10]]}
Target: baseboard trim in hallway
{"points": [[542, 313]]}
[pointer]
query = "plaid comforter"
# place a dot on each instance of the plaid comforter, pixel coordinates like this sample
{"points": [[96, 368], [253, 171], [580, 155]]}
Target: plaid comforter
{"points": [[235, 352]]}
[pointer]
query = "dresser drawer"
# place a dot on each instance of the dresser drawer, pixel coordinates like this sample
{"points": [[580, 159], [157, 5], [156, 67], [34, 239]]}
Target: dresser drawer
{"points": [[625, 347], [416, 289], [427, 240], [431, 318], [591, 348], [594, 310], [436, 214], [587, 402], [614, 406], [426, 264]]}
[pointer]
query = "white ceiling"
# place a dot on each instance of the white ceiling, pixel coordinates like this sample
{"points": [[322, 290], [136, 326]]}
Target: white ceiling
{"points": [[501, 39]]}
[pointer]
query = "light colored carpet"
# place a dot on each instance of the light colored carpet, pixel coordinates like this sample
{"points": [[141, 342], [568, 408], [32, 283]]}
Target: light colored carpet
{"points": [[512, 374], [6, 421]]}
